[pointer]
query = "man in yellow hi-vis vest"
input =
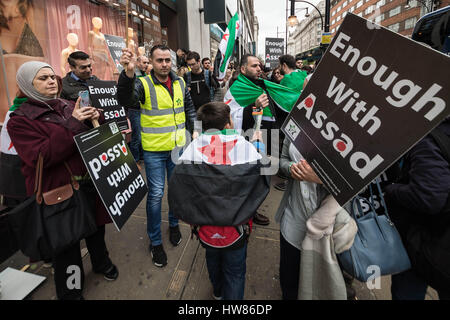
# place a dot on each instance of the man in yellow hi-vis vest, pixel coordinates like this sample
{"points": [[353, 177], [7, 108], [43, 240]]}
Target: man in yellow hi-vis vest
{"points": [[166, 112]]}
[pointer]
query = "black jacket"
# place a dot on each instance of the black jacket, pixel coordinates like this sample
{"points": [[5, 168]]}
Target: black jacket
{"points": [[422, 192], [71, 87], [130, 92]]}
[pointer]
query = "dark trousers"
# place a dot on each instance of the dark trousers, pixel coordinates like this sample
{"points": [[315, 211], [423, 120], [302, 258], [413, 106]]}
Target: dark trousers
{"points": [[69, 265], [289, 269], [248, 122], [409, 286], [226, 270], [136, 144]]}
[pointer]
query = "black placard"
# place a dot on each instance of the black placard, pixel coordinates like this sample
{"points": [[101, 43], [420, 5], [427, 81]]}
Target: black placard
{"points": [[115, 45], [374, 95], [274, 50], [113, 170], [103, 95]]}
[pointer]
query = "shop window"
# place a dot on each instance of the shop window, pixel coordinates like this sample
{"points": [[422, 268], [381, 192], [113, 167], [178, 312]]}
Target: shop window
{"points": [[55, 28]]}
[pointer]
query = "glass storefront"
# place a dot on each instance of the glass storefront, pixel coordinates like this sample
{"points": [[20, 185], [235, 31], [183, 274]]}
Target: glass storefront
{"points": [[49, 30]]}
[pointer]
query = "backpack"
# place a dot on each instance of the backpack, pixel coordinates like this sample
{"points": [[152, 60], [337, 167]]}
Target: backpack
{"points": [[428, 245], [208, 75], [222, 237]]}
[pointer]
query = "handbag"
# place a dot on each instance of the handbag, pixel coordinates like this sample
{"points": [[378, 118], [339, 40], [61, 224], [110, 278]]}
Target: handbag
{"points": [[377, 243], [46, 224]]}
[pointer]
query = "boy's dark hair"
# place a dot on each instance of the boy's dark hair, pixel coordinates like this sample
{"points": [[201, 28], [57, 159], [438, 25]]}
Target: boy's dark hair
{"points": [[193, 55], [77, 55], [160, 47], [214, 115], [205, 59], [289, 60]]}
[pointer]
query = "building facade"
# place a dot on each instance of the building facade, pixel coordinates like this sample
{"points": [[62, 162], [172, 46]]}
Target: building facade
{"points": [[397, 15], [308, 33]]}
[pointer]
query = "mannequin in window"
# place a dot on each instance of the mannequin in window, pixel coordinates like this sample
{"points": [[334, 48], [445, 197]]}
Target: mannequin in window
{"points": [[97, 49], [72, 38], [131, 43], [141, 51]]}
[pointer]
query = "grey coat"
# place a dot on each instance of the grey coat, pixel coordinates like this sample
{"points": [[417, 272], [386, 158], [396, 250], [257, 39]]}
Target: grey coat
{"points": [[293, 189]]}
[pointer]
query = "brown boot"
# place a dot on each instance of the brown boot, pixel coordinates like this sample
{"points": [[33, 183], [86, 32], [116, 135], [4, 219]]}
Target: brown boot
{"points": [[261, 219]]}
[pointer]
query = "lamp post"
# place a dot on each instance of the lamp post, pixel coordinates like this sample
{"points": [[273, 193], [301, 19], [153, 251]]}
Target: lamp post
{"points": [[325, 25]]}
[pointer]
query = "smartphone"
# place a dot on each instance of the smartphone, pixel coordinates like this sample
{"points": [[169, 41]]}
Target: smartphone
{"points": [[84, 98]]}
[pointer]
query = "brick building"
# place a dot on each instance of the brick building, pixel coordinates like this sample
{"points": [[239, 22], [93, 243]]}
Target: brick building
{"points": [[392, 14]]}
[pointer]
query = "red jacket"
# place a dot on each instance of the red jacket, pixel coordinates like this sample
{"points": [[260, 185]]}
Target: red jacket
{"points": [[34, 129]]}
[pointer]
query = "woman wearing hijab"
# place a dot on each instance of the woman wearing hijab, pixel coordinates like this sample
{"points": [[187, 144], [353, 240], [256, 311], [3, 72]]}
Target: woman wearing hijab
{"points": [[46, 125]]}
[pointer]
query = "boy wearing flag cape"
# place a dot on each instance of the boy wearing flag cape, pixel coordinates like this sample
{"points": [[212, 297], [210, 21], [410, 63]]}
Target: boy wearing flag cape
{"points": [[218, 185]]}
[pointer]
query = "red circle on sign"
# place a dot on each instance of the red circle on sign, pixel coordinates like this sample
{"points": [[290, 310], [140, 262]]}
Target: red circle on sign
{"points": [[117, 114], [124, 149], [104, 157], [309, 102], [341, 146]]}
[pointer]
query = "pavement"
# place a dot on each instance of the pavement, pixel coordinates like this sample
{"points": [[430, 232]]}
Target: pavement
{"points": [[185, 277]]}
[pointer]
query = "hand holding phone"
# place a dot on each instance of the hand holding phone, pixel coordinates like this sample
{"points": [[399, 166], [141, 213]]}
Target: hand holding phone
{"points": [[84, 98]]}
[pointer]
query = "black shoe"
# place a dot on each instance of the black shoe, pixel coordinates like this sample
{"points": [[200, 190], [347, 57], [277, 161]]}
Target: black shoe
{"points": [[111, 274], [281, 185], [260, 219], [175, 235], [159, 257]]}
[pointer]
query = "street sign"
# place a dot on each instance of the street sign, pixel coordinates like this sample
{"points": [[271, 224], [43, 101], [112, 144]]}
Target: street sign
{"points": [[115, 45], [103, 95], [274, 50], [113, 170], [373, 96], [326, 37]]}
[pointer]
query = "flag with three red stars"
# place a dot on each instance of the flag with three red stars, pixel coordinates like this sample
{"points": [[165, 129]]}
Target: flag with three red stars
{"points": [[218, 181], [12, 181]]}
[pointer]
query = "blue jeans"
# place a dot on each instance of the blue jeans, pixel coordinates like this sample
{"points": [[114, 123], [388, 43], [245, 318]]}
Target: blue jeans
{"points": [[135, 144], [156, 164], [409, 286], [226, 270]]}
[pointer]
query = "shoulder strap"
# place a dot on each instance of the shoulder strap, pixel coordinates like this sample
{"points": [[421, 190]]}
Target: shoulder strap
{"points": [[188, 78], [207, 79], [443, 141]]}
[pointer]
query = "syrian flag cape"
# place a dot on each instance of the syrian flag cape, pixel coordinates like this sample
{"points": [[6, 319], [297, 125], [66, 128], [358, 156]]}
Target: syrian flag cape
{"points": [[218, 181], [244, 92], [226, 47], [12, 182]]}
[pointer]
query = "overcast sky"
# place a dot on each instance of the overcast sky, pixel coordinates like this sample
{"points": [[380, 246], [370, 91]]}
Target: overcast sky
{"points": [[272, 14]]}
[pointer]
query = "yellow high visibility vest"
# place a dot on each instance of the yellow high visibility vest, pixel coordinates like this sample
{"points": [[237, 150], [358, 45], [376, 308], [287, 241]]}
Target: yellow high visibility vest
{"points": [[163, 120]]}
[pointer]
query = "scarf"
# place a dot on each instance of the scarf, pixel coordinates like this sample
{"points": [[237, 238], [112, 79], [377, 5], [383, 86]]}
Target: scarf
{"points": [[25, 76]]}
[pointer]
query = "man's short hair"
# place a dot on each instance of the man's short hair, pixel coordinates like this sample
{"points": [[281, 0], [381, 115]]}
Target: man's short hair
{"points": [[160, 47], [214, 115], [193, 55], [77, 55], [205, 59], [289, 60], [244, 59], [298, 58], [139, 59]]}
